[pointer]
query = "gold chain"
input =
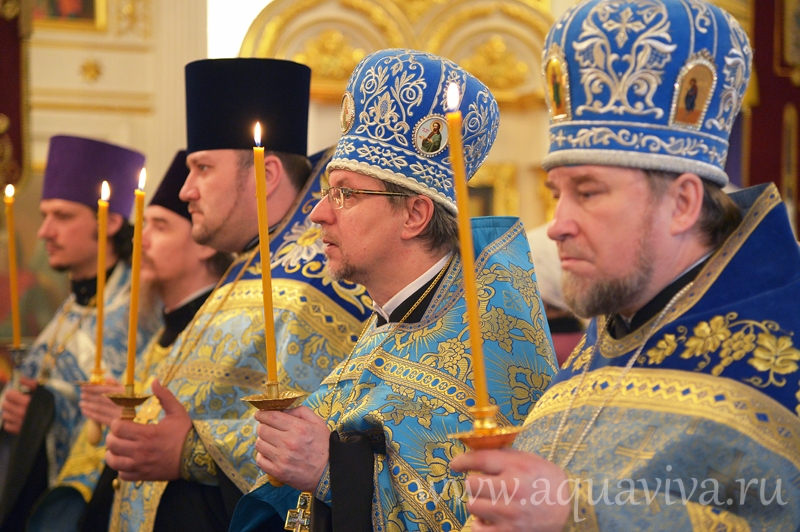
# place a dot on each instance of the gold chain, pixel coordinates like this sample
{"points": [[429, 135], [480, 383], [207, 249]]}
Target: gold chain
{"points": [[574, 448], [393, 329], [179, 359]]}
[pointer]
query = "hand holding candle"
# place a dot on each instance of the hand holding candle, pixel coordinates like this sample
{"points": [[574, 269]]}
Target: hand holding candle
{"points": [[466, 245], [136, 263], [12, 267], [263, 238]]}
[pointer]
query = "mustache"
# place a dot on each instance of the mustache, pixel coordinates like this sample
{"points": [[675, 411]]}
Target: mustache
{"points": [[327, 238], [566, 251]]}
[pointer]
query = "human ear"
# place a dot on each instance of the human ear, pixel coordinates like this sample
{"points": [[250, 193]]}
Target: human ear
{"points": [[273, 170], [114, 224], [686, 192], [419, 211]]}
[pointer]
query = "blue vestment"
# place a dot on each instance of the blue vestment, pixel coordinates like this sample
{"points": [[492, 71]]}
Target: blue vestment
{"points": [[64, 353], [220, 357], [710, 406], [413, 385]]}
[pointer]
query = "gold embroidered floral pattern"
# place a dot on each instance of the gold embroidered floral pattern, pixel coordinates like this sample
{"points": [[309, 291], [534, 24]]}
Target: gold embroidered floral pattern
{"points": [[399, 407], [301, 244], [437, 457], [527, 387], [708, 336], [581, 359], [733, 349], [450, 357], [770, 349], [797, 396], [664, 348], [496, 327], [775, 355]]}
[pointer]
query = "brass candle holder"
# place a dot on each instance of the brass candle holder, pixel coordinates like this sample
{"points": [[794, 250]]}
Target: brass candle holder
{"points": [[128, 401], [17, 354], [485, 433], [273, 398]]}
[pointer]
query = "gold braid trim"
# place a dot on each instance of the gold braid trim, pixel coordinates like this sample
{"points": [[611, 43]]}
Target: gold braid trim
{"points": [[206, 371], [196, 464], [205, 431], [687, 394]]}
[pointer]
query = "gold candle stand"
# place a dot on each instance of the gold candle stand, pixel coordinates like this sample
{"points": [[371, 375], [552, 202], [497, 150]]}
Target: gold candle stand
{"points": [[17, 354], [128, 401], [273, 398], [485, 433]]}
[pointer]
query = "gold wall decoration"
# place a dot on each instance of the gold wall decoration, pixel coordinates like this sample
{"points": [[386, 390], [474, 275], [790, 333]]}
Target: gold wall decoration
{"points": [[545, 194], [786, 40], [500, 179], [330, 56], [416, 9], [133, 17], [9, 9], [9, 168], [744, 11], [499, 41], [495, 65], [91, 70]]}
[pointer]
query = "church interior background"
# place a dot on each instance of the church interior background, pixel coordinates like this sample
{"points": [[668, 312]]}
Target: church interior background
{"points": [[113, 70]]}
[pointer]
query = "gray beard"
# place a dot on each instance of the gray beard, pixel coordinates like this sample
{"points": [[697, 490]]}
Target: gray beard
{"points": [[609, 296], [346, 272]]}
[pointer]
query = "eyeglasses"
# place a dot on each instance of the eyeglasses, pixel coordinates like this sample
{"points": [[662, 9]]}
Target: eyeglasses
{"points": [[338, 195]]}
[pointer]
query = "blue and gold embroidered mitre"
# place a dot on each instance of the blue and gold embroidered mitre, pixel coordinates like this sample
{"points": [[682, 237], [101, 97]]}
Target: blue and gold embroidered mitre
{"points": [[394, 126], [651, 84]]}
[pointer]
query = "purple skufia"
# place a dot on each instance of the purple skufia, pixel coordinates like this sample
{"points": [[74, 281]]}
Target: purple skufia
{"points": [[77, 167], [167, 195]]}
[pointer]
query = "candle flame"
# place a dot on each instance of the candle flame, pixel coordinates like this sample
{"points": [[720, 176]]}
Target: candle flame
{"points": [[257, 134], [453, 95], [105, 191], [142, 178], [9, 191]]}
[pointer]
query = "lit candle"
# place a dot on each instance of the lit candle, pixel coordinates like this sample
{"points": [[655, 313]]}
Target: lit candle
{"points": [[102, 231], [263, 242], [466, 245], [12, 267], [136, 262]]}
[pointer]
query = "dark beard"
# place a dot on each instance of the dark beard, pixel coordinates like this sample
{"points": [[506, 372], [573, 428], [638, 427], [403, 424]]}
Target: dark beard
{"points": [[607, 296]]}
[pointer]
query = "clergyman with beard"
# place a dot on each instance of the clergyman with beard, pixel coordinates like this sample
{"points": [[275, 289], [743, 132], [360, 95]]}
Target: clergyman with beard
{"points": [[678, 410], [204, 436]]}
